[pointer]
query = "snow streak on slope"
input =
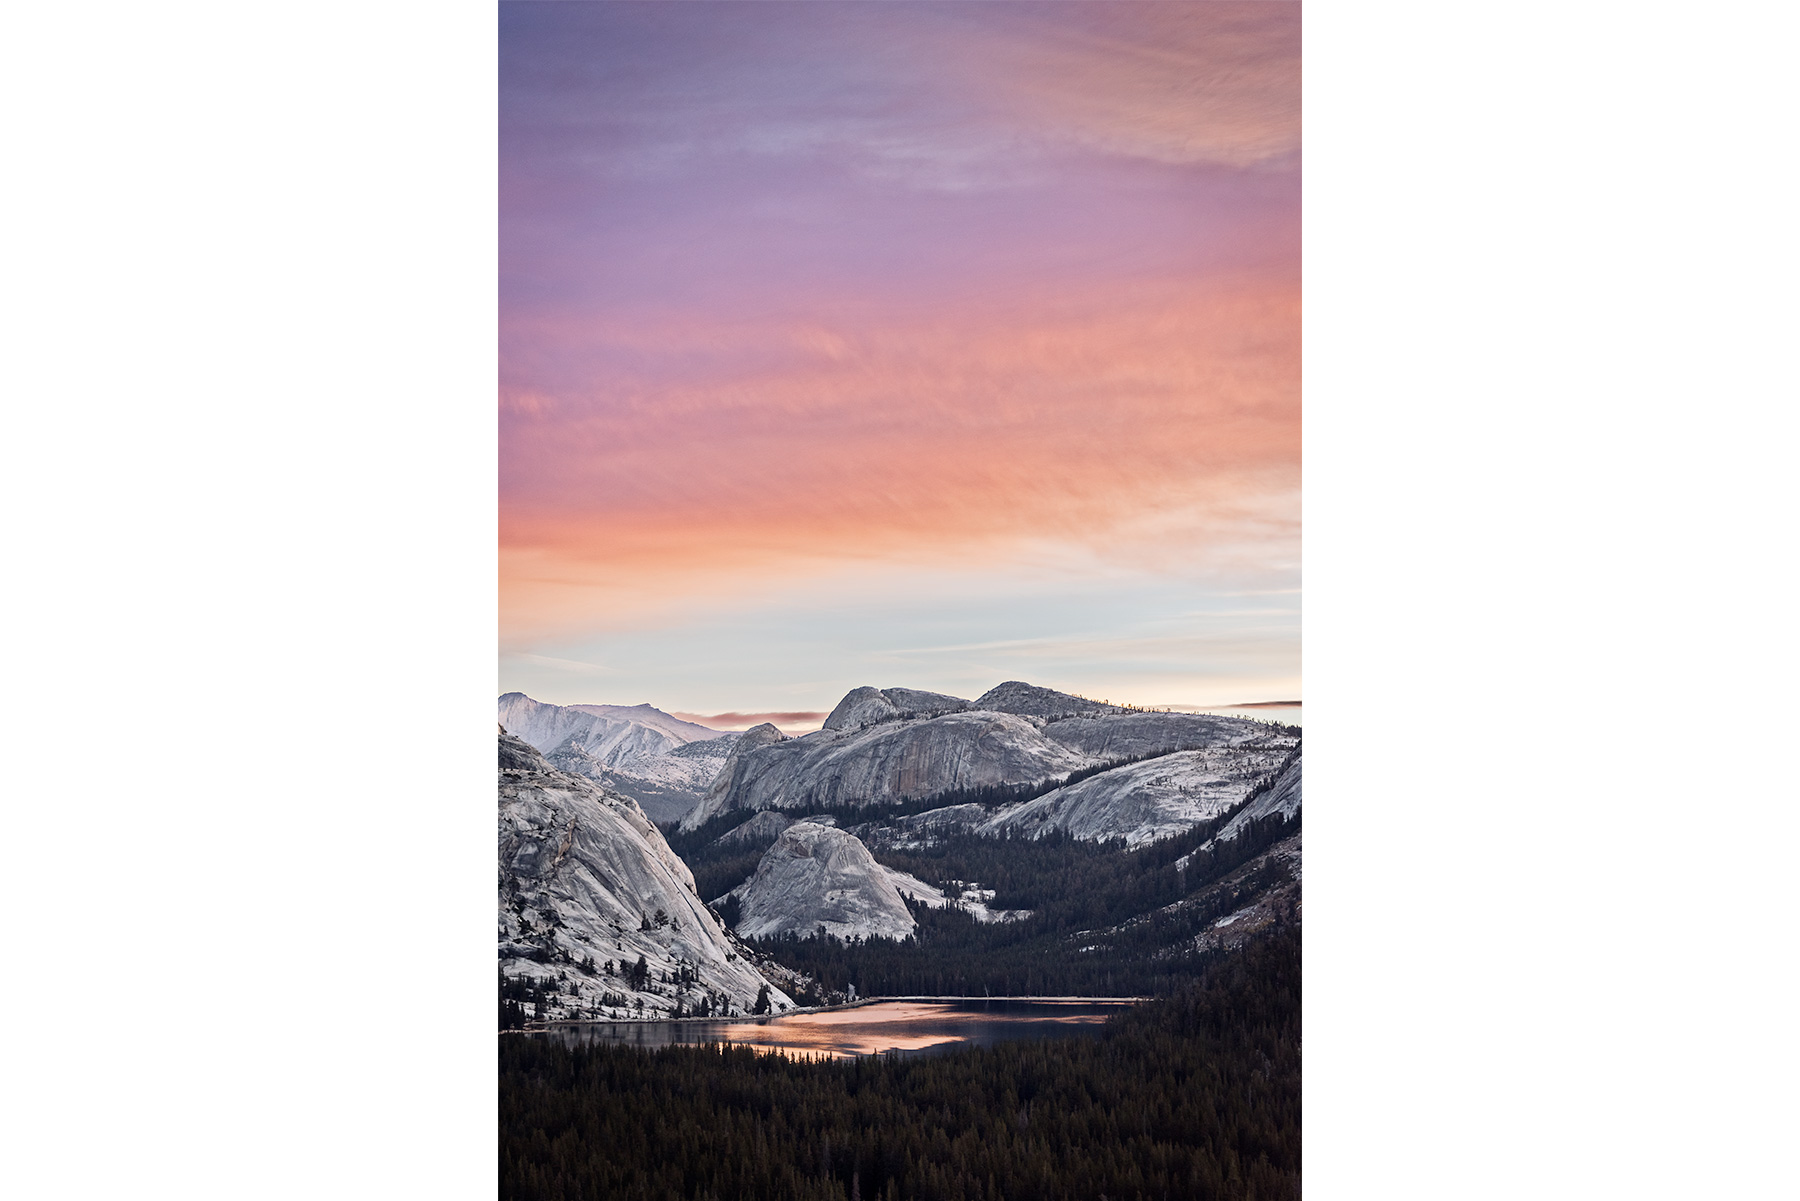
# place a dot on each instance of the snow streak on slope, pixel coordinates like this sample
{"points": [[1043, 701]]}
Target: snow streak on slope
{"points": [[970, 898]]}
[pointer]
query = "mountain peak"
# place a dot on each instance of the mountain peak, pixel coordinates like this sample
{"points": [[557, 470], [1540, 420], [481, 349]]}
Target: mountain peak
{"points": [[1030, 700], [817, 877], [861, 707]]}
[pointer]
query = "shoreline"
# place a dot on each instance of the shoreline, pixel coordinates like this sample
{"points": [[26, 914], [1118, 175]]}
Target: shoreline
{"points": [[758, 1019]]}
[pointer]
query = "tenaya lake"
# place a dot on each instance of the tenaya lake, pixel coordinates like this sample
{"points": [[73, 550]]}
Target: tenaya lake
{"points": [[905, 1026]]}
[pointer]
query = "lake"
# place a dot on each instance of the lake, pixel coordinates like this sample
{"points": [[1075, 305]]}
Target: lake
{"points": [[907, 1026]]}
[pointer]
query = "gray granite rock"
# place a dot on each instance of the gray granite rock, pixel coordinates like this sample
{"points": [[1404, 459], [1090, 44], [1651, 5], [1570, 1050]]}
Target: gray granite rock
{"points": [[818, 877], [581, 873], [1141, 802], [886, 762]]}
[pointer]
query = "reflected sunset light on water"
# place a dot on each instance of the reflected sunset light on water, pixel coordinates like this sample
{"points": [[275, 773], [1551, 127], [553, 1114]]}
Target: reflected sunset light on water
{"points": [[906, 1027]]}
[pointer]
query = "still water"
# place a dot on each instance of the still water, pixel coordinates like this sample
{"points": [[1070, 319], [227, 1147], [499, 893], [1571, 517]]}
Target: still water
{"points": [[908, 1027]]}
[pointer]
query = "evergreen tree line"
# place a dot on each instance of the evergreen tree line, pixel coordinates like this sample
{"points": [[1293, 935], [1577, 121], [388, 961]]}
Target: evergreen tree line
{"points": [[524, 999], [1108, 924], [697, 843], [1194, 1096], [1018, 879], [719, 873]]}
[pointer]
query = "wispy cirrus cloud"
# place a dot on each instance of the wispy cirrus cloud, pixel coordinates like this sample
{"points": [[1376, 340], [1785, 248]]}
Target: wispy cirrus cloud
{"points": [[936, 440], [798, 293], [580, 668]]}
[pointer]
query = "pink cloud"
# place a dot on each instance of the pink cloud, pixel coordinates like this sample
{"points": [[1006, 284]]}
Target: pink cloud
{"points": [[920, 283], [970, 430]]}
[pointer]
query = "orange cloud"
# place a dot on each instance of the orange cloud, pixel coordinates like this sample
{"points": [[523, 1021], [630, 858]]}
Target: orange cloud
{"points": [[795, 449]]}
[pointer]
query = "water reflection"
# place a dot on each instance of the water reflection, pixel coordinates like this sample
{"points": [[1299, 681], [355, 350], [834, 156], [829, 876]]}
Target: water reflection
{"points": [[907, 1027]]}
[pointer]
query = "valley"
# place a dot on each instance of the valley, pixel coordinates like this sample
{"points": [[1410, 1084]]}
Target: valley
{"points": [[1024, 946], [1026, 842]]}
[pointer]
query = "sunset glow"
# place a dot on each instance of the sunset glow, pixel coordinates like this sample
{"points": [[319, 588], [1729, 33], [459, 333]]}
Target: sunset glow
{"points": [[831, 332]]}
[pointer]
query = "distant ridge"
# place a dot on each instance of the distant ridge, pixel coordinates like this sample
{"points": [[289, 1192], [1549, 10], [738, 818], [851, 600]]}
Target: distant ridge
{"points": [[662, 762], [721, 720], [1091, 768]]}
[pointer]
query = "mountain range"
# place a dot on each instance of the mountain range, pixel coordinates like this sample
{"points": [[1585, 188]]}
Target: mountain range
{"points": [[663, 763], [885, 747], [851, 833]]}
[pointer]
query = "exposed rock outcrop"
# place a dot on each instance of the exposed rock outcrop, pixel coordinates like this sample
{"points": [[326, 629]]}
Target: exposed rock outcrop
{"points": [[586, 880], [1281, 797], [716, 799], [818, 877], [1142, 802], [861, 707], [763, 829], [867, 706], [884, 746], [886, 762], [1029, 700], [915, 702], [1133, 735], [611, 737], [660, 761], [919, 829]]}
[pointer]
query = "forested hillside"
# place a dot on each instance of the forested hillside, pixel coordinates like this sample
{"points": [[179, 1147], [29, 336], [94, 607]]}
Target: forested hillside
{"points": [[1193, 1096], [1104, 921]]}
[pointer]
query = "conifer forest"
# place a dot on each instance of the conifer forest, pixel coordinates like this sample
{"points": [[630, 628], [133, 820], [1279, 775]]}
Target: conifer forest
{"points": [[1192, 1095]]}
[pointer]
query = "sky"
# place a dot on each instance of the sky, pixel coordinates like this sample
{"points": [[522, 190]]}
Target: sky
{"points": [[915, 344]]}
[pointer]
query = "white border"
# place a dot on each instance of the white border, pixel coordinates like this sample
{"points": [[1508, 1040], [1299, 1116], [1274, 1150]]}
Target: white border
{"points": [[249, 484]]}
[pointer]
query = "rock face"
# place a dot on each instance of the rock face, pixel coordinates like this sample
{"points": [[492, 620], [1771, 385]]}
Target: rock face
{"points": [[660, 761], [1117, 736], [1029, 700], [650, 715], [883, 746], [582, 874], [913, 702], [670, 785], [1282, 797], [867, 706], [613, 734], [1142, 802], [861, 707], [762, 830], [888, 761], [717, 796], [920, 829], [817, 877]]}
